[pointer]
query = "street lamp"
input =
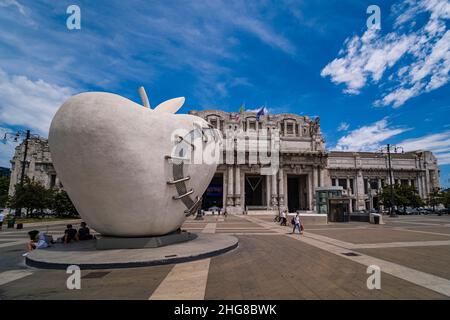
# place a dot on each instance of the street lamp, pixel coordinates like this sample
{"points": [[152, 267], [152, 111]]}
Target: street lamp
{"points": [[388, 150], [14, 137]]}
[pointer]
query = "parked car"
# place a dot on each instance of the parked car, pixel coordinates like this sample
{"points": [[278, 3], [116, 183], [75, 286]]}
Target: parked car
{"points": [[411, 211], [443, 211], [214, 209], [425, 211]]}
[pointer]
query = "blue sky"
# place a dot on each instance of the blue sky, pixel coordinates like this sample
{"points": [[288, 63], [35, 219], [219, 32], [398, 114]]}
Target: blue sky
{"points": [[317, 58]]}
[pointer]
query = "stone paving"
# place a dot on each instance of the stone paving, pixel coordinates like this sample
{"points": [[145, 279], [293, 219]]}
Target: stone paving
{"points": [[413, 253]]}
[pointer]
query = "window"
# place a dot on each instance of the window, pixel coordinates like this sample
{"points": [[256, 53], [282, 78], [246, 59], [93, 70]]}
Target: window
{"points": [[252, 125], [343, 183], [374, 184], [290, 128], [213, 122], [333, 182], [366, 189], [404, 182], [351, 185], [52, 180]]}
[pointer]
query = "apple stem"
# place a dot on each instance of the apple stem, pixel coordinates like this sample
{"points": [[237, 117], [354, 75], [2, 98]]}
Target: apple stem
{"points": [[144, 97]]}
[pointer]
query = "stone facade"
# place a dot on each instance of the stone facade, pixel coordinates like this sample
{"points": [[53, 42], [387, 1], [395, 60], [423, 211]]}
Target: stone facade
{"points": [[304, 166], [38, 164], [363, 174]]}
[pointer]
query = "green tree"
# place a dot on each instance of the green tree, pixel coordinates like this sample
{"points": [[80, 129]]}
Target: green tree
{"points": [[62, 205], [404, 196], [4, 187], [435, 198], [32, 196], [446, 198]]}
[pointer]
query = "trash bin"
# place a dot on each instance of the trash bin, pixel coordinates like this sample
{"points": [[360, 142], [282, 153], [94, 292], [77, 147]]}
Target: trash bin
{"points": [[11, 224]]}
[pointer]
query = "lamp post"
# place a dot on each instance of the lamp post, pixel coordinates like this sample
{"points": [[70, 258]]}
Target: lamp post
{"points": [[14, 137], [388, 150]]}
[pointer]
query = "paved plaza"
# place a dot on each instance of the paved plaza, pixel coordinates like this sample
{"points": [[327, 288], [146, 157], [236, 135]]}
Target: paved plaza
{"points": [[326, 262]]}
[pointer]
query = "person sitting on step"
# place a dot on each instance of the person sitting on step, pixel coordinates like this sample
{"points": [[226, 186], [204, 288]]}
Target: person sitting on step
{"points": [[84, 233]]}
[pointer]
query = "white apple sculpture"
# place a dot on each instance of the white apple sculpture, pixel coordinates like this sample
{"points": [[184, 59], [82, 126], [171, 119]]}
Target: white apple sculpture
{"points": [[115, 159]]}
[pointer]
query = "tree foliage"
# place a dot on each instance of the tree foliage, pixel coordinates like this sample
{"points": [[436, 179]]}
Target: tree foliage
{"points": [[4, 187], [446, 198], [435, 198], [38, 200], [62, 205], [403, 196]]}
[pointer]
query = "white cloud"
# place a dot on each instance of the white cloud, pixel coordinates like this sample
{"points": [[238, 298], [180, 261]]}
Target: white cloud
{"points": [[13, 3], [30, 104], [368, 138], [438, 143], [265, 34], [373, 136], [365, 59], [399, 96], [366, 56], [343, 126]]}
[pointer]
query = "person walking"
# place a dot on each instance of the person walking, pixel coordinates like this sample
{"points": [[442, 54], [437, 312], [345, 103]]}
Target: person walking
{"points": [[2, 217], [296, 223], [283, 218]]}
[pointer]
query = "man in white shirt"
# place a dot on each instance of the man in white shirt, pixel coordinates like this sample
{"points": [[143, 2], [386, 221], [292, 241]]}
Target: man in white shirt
{"points": [[297, 224], [283, 218]]}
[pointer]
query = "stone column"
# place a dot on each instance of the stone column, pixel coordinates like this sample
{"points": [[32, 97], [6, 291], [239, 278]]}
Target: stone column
{"points": [[419, 185], [314, 186], [225, 188], [319, 176], [242, 182], [360, 190], [274, 201], [281, 187], [427, 183], [310, 192], [237, 190], [230, 192]]}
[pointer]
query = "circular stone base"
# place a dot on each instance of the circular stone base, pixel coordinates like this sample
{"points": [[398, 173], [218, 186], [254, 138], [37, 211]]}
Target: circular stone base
{"points": [[85, 255]]}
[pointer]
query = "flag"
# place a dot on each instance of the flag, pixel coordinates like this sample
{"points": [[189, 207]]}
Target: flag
{"points": [[260, 113]]}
